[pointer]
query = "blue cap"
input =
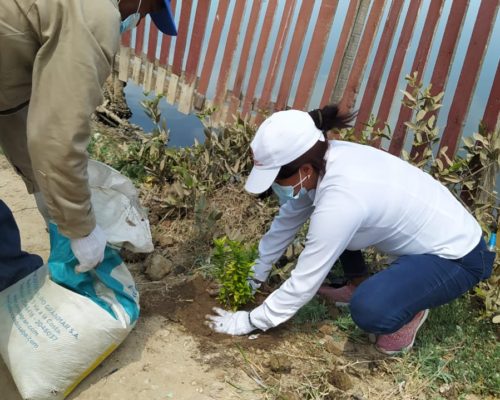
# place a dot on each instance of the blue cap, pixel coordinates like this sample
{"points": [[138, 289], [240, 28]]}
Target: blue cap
{"points": [[164, 20]]}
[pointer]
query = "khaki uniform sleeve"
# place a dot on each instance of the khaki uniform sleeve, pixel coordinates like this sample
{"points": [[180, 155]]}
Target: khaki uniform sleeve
{"points": [[78, 41]]}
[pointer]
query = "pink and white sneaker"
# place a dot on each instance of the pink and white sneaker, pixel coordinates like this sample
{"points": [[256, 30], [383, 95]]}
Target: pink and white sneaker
{"points": [[403, 339], [340, 296]]}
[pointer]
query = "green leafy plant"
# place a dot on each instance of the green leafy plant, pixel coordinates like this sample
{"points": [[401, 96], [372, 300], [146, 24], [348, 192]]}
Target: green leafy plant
{"points": [[424, 123], [232, 262], [312, 312], [371, 133]]}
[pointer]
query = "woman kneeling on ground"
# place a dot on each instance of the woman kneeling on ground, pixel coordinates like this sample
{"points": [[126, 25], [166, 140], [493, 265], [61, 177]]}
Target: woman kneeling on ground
{"points": [[356, 196]]}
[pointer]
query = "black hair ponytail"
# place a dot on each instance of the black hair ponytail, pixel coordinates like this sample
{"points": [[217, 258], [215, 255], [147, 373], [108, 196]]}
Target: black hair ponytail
{"points": [[328, 118], [325, 119]]}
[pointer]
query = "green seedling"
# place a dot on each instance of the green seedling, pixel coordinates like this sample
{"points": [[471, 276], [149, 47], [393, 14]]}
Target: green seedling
{"points": [[233, 263]]}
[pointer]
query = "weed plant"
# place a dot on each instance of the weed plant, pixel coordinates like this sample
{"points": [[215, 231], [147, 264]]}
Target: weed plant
{"points": [[313, 312], [455, 347]]}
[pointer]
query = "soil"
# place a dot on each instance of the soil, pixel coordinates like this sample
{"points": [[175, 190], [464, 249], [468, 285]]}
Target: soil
{"points": [[188, 302]]}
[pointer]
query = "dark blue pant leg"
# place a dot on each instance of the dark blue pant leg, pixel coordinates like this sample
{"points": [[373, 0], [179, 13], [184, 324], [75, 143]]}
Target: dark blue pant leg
{"points": [[15, 264], [389, 299]]}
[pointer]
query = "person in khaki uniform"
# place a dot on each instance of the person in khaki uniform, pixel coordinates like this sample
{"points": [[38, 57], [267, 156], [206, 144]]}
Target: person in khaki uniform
{"points": [[54, 58]]}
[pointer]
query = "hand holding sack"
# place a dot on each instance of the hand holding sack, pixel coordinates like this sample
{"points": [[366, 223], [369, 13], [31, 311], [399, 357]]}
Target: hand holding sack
{"points": [[89, 250]]}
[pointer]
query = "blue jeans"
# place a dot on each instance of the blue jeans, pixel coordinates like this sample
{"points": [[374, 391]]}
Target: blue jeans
{"points": [[389, 299], [15, 264]]}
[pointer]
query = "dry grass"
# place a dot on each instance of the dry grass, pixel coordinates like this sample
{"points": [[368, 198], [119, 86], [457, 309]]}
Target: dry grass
{"points": [[189, 238]]}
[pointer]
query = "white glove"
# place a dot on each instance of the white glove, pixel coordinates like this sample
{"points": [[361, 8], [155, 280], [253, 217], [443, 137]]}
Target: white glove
{"points": [[232, 323], [89, 250]]}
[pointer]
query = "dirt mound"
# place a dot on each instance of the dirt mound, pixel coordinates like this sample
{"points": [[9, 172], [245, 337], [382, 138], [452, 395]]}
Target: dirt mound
{"points": [[188, 302]]}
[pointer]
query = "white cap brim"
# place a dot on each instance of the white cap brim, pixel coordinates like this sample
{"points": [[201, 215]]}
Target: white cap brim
{"points": [[261, 179]]}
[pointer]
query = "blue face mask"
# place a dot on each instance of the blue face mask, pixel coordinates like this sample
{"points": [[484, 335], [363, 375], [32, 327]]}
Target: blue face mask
{"points": [[131, 21], [286, 193]]}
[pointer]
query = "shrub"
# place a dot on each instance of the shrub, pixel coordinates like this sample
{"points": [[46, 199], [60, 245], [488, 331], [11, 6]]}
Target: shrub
{"points": [[232, 262], [176, 178]]}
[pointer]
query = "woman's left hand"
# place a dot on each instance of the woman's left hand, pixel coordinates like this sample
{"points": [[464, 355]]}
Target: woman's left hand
{"points": [[232, 323]]}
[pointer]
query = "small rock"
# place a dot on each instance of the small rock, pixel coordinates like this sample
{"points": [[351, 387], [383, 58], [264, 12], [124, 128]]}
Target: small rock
{"points": [[280, 364], [289, 396], [471, 397], [374, 366], [340, 380], [158, 267], [220, 376], [336, 394], [166, 241], [213, 289], [326, 329], [444, 388], [332, 347], [449, 391], [179, 270], [333, 310]]}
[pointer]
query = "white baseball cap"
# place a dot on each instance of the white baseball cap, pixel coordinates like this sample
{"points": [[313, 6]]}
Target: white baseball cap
{"points": [[280, 139]]}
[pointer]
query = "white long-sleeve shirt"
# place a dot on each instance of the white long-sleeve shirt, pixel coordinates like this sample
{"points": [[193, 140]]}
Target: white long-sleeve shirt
{"points": [[367, 197]]}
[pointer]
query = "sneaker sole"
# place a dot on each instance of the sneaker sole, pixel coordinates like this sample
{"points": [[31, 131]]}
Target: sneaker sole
{"points": [[404, 349], [341, 304]]}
